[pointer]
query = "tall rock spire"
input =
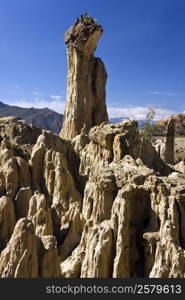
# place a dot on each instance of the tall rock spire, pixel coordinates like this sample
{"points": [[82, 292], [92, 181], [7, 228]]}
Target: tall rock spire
{"points": [[169, 146], [85, 106]]}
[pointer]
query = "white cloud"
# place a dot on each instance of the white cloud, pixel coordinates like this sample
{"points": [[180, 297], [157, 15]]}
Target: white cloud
{"points": [[56, 97], [165, 93], [16, 86], [35, 93], [155, 93], [130, 112], [137, 112]]}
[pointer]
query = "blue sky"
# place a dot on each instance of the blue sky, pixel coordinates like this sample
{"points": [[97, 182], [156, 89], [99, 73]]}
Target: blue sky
{"points": [[143, 48]]}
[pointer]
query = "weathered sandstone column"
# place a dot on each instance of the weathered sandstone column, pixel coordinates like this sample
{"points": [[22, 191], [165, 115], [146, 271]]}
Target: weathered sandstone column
{"points": [[169, 147], [85, 106]]}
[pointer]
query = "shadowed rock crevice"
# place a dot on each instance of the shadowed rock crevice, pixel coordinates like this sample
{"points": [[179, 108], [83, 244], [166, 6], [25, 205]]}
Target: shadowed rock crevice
{"points": [[181, 215]]}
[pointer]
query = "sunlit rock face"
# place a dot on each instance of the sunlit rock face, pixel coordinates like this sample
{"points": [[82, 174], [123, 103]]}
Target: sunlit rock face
{"points": [[86, 80]]}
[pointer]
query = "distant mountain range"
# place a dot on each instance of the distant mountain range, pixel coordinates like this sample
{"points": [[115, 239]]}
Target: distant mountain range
{"points": [[43, 118], [118, 120]]}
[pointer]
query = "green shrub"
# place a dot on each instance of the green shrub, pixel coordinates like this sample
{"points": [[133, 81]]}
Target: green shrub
{"points": [[149, 128], [87, 19]]}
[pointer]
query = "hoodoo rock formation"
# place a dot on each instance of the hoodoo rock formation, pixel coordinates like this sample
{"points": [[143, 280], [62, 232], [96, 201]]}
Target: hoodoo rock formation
{"points": [[103, 204], [170, 141], [166, 150], [161, 125], [85, 106]]}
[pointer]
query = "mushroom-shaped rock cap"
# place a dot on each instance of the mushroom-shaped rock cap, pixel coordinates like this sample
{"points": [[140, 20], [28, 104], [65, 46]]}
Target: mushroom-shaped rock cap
{"points": [[84, 34]]}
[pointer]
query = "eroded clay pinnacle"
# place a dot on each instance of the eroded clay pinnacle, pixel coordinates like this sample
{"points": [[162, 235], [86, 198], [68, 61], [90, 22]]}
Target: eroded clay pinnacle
{"points": [[86, 80]]}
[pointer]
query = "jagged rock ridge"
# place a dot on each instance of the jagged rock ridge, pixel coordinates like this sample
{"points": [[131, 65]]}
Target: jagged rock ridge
{"points": [[74, 204]]}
